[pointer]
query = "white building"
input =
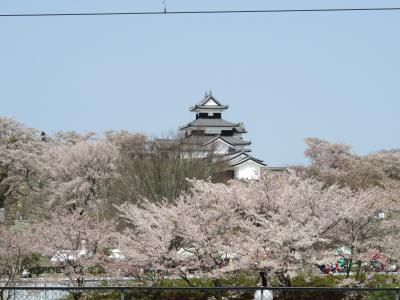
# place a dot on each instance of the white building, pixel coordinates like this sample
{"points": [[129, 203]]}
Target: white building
{"points": [[209, 133]]}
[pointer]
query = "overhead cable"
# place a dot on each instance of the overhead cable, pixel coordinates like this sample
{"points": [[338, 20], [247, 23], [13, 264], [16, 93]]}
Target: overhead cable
{"points": [[198, 12]]}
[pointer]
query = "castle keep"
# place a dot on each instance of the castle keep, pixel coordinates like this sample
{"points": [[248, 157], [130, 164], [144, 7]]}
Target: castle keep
{"points": [[210, 133]]}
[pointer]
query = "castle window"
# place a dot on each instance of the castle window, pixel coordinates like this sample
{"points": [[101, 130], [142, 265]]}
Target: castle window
{"points": [[213, 131], [227, 133]]}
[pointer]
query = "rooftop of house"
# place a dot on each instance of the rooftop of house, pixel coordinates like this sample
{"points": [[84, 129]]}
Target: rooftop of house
{"points": [[208, 102]]}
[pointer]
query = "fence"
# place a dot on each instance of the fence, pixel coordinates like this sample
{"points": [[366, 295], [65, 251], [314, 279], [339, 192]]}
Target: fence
{"points": [[142, 292]]}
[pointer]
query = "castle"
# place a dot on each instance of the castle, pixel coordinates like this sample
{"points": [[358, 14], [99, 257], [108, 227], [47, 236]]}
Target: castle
{"points": [[209, 134]]}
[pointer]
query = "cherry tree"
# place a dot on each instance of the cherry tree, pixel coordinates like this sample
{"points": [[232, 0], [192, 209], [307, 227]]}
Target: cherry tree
{"points": [[198, 234], [390, 243], [72, 137], [387, 161], [358, 225], [289, 215], [334, 163], [388, 239], [300, 222], [146, 241], [14, 247], [21, 159], [76, 242], [283, 221], [329, 156], [212, 235], [217, 229], [81, 174]]}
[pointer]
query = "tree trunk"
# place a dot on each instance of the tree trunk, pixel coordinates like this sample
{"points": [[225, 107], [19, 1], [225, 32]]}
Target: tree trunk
{"points": [[284, 280], [186, 280], [358, 269], [349, 264], [217, 283], [77, 296], [79, 283]]}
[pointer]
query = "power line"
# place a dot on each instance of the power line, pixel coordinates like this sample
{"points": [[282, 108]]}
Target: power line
{"points": [[198, 12]]}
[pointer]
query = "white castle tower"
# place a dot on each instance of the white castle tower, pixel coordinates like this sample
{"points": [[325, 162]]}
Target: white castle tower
{"points": [[210, 131]]}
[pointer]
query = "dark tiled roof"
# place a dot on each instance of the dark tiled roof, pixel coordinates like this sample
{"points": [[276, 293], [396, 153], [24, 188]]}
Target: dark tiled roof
{"points": [[238, 158], [241, 128], [210, 123], [244, 159], [235, 141]]}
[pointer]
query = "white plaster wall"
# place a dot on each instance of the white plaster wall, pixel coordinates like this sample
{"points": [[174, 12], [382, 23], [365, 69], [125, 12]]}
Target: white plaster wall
{"points": [[210, 102], [247, 170], [216, 128], [221, 148], [213, 131], [194, 154]]}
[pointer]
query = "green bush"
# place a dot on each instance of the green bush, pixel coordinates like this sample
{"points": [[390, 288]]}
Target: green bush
{"points": [[12, 139], [384, 280], [313, 280], [97, 269]]}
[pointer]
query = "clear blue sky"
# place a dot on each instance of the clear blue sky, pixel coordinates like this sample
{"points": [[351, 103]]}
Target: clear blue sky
{"points": [[286, 76]]}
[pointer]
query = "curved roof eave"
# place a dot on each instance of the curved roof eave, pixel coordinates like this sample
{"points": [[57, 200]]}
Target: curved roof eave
{"points": [[242, 143], [216, 107], [259, 162]]}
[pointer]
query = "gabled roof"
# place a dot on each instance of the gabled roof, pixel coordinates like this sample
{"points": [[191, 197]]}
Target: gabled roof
{"points": [[250, 158], [209, 102], [241, 157], [231, 140]]}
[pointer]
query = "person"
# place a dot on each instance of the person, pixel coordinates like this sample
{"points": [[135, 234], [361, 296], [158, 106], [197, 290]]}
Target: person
{"points": [[322, 268], [263, 294], [326, 269]]}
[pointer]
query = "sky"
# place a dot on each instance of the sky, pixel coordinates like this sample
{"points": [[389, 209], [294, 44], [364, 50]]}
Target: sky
{"points": [[285, 76]]}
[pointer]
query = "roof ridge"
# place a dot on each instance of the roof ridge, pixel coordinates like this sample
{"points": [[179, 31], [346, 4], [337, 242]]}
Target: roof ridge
{"points": [[208, 97]]}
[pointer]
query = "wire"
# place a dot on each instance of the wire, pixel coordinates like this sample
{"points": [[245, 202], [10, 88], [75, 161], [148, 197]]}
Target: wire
{"points": [[202, 12]]}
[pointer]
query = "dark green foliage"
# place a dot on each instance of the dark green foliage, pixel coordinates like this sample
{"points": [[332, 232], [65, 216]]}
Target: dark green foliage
{"points": [[97, 269], [383, 280], [12, 139], [37, 264], [3, 173]]}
